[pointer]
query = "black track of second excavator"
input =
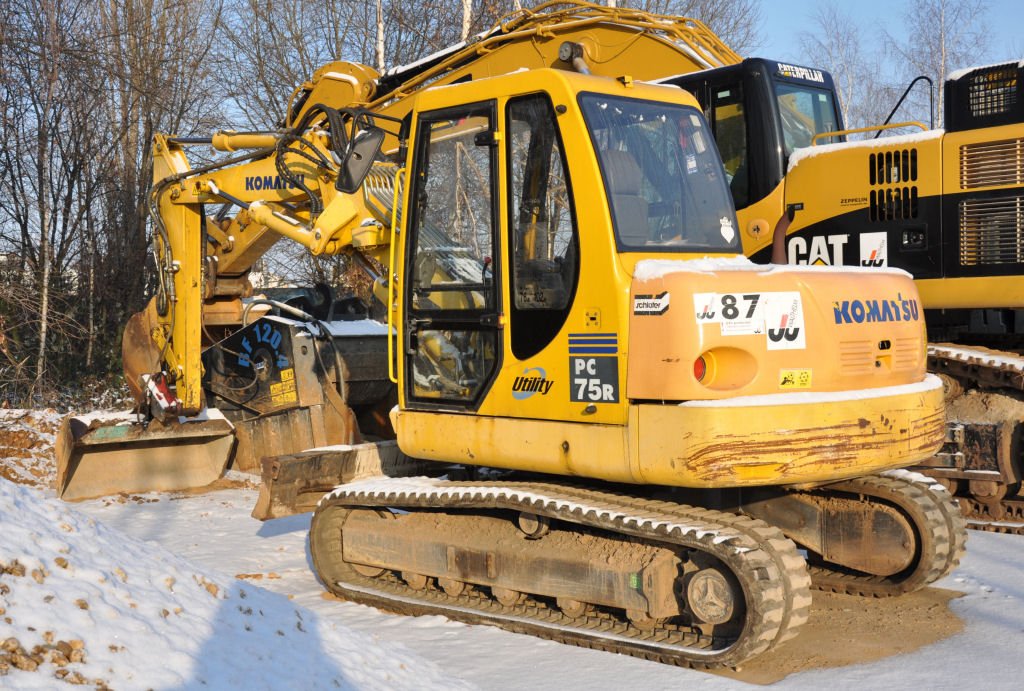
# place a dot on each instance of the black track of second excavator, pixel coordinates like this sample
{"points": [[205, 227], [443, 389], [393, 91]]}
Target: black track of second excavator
{"points": [[764, 548]]}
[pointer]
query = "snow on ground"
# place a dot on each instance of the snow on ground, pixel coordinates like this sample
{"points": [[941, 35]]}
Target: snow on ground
{"points": [[89, 604], [216, 532], [164, 591]]}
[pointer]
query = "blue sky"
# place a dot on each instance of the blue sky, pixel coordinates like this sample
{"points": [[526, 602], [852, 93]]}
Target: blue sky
{"points": [[783, 20]]}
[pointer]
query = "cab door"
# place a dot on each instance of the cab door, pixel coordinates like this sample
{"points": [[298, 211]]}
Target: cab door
{"points": [[451, 294]]}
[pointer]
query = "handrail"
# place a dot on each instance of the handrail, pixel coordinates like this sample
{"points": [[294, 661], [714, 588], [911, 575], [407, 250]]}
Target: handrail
{"points": [[890, 126], [392, 331], [931, 101]]}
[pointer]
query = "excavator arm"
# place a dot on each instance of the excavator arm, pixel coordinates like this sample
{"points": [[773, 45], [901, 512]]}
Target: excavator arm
{"points": [[320, 182]]}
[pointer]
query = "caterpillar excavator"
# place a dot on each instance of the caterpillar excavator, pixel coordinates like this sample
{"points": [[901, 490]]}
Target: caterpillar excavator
{"points": [[945, 205], [588, 417]]}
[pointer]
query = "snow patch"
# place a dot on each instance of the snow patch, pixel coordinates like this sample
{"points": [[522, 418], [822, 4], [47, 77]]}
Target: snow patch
{"points": [[434, 487], [809, 152], [648, 269], [957, 74], [930, 383], [978, 356]]}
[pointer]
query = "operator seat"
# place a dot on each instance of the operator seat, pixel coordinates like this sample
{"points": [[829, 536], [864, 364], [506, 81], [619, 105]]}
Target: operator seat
{"points": [[629, 209]]}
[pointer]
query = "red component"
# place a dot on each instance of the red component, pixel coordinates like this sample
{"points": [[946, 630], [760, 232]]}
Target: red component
{"points": [[700, 368], [166, 403]]}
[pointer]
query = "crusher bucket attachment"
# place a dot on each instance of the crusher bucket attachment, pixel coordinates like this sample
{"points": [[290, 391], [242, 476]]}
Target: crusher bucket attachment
{"points": [[96, 458]]}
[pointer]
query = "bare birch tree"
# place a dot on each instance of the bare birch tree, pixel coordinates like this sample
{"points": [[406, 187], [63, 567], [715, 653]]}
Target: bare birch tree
{"points": [[838, 45], [940, 36]]}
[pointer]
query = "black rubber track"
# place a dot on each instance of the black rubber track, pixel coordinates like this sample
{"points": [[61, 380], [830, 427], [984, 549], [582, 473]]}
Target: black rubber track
{"points": [[771, 573]]}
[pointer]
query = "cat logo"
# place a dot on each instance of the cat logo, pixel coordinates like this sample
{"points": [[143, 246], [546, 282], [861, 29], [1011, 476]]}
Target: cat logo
{"points": [[872, 250], [821, 250]]}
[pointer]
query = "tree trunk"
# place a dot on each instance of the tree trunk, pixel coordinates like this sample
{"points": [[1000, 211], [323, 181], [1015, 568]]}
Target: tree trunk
{"points": [[380, 36]]}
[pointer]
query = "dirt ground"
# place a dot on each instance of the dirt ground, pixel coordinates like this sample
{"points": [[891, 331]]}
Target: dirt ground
{"points": [[981, 406], [845, 630], [842, 630]]}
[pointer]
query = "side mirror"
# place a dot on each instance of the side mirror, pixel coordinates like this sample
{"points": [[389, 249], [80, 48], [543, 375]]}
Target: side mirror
{"points": [[365, 147]]}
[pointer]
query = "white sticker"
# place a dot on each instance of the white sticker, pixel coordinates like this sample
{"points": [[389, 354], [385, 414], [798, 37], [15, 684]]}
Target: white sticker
{"points": [[691, 164], [784, 321], [737, 314], [872, 249], [779, 316], [727, 230]]}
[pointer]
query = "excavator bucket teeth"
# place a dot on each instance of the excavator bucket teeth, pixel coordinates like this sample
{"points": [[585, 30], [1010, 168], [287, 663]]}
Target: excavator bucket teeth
{"points": [[97, 458]]}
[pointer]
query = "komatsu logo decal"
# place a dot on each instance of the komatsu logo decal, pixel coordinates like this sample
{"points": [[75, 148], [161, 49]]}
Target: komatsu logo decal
{"points": [[861, 311], [797, 72], [526, 385], [267, 182]]}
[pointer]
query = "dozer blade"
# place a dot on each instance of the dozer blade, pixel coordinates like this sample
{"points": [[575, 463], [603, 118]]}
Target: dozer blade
{"points": [[295, 483], [100, 458]]}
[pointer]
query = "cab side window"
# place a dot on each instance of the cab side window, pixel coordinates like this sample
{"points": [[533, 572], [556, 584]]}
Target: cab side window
{"points": [[542, 226], [730, 124]]}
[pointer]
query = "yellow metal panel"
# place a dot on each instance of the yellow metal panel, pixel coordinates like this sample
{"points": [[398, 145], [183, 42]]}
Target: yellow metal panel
{"points": [[837, 181], [794, 440], [812, 440], [587, 450], [757, 221], [972, 293], [864, 333]]}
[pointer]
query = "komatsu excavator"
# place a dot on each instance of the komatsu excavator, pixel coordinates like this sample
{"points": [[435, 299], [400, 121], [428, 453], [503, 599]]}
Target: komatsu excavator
{"points": [[608, 427], [946, 205]]}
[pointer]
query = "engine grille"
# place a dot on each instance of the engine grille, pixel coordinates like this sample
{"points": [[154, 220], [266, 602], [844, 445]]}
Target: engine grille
{"points": [[857, 358], [988, 164], [992, 231], [992, 91], [890, 198]]}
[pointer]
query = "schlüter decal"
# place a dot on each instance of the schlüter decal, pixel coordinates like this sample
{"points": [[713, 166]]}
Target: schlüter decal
{"points": [[651, 305]]}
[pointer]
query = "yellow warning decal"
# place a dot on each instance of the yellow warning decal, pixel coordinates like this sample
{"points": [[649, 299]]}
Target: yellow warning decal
{"points": [[794, 379], [284, 392]]}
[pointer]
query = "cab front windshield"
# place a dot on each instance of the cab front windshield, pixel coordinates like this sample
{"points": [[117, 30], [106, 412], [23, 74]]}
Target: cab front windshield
{"points": [[662, 174], [805, 111]]}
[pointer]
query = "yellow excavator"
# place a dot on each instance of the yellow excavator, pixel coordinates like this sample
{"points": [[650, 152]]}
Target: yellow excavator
{"points": [[588, 417]]}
